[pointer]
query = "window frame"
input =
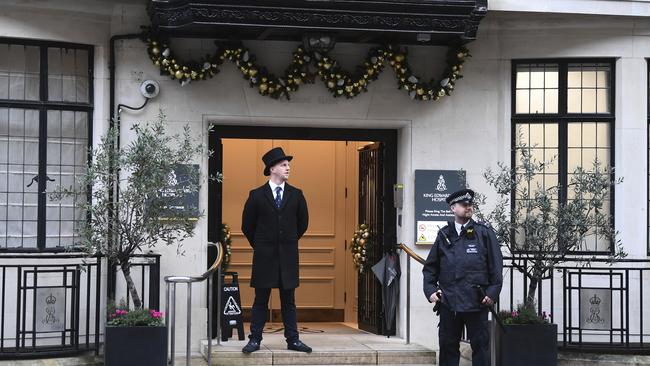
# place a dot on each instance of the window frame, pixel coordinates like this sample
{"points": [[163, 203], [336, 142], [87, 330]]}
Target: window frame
{"points": [[43, 105], [562, 118]]}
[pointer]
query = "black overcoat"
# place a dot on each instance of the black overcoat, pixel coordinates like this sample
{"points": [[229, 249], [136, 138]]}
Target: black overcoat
{"points": [[274, 233]]}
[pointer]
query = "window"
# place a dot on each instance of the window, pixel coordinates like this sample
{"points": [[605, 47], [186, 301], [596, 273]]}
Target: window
{"points": [[563, 111], [45, 131]]}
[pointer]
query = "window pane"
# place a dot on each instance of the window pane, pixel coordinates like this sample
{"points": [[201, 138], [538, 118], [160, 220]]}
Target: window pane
{"points": [[550, 101], [602, 101], [574, 80], [19, 72], [68, 75], [536, 101], [551, 135], [537, 79], [522, 101], [588, 100], [523, 79], [18, 167], [536, 88], [588, 88], [574, 101]]}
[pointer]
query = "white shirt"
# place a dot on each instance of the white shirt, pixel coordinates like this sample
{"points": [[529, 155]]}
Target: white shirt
{"points": [[459, 227], [274, 186]]}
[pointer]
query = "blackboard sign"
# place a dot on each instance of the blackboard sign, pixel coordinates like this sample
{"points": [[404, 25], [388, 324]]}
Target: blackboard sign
{"points": [[182, 198], [431, 210]]}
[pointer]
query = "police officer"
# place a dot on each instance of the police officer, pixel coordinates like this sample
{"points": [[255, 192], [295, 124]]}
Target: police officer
{"points": [[464, 256]]}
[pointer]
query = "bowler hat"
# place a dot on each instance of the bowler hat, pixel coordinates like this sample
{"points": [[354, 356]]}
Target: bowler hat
{"points": [[464, 195], [272, 157]]}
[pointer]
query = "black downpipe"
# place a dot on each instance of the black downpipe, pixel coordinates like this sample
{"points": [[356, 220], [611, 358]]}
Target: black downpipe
{"points": [[113, 123]]}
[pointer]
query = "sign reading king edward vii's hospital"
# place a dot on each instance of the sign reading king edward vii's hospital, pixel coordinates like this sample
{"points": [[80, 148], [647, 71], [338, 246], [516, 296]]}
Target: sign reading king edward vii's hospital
{"points": [[431, 210]]}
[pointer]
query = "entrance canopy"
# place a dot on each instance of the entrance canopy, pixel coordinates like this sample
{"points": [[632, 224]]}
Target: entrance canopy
{"points": [[424, 22]]}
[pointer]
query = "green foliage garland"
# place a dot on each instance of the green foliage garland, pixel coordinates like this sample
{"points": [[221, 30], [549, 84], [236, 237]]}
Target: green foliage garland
{"points": [[360, 245], [338, 81], [226, 241]]}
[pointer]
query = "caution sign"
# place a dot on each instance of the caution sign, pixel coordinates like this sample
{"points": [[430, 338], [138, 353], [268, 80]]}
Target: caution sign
{"points": [[230, 307]]}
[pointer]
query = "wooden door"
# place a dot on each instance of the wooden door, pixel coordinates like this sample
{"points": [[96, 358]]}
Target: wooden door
{"points": [[322, 170]]}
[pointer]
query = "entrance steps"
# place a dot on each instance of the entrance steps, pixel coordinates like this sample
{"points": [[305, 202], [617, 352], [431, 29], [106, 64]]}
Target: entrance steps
{"points": [[359, 348]]}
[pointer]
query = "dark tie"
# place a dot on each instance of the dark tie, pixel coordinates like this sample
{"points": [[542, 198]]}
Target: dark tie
{"points": [[278, 197]]}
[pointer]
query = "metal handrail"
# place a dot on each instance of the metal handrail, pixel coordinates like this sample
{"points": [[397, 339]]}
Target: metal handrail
{"points": [[410, 254], [189, 280]]}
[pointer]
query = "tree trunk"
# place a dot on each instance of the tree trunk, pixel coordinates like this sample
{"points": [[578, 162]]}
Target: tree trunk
{"points": [[532, 291], [126, 270]]}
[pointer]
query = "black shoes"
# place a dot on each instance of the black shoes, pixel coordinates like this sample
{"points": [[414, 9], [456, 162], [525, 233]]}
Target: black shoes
{"points": [[299, 346], [251, 347]]}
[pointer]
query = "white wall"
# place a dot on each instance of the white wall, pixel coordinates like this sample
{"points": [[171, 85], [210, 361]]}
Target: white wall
{"points": [[470, 130]]}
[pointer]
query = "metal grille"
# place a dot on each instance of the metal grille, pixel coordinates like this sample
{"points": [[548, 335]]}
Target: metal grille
{"points": [[371, 213], [613, 322]]}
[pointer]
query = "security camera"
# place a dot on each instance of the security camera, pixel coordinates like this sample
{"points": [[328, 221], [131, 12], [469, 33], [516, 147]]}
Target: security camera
{"points": [[149, 89]]}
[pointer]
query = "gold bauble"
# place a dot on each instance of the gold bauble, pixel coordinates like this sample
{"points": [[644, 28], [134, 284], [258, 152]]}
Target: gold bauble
{"points": [[155, 51], [271, 90], [362, 241], [460, 67], [366, 234], [165, 62], [178, 74], [370, 71], [157, 63], [327, 65], [340, 91], [193, 75], [419, 91], [460, 55], [252, 72], [441, 93], [399, 57], [330, 84], [263, 87], [297, 80], [348, 88]]}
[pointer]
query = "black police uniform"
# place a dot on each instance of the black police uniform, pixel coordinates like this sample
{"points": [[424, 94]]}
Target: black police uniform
{"points": [[456, 265]]}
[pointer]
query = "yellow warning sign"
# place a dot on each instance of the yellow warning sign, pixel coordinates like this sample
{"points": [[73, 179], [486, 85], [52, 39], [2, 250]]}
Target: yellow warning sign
{"points": [[422, 238]]}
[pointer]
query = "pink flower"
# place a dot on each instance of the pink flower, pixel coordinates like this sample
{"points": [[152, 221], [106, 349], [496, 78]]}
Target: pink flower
{"points": [[156, 314], [120, 312]]}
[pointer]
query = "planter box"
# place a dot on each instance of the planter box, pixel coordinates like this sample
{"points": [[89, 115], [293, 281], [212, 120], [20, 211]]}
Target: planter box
{"points": [[525, 344], [135, 346]]}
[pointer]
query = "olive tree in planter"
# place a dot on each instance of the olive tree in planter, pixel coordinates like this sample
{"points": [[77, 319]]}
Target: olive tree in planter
{"points": [[540, 230], [137, 215]]}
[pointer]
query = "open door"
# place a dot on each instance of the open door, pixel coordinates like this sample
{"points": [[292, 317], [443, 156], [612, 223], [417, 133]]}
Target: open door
{"points": [[371, 213]]}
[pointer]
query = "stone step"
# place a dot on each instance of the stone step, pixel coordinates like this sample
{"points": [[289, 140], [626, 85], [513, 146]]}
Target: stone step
{"points": [[327, 350]]}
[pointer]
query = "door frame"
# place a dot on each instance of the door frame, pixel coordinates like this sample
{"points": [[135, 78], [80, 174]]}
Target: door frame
{"points": [[215, 164]]}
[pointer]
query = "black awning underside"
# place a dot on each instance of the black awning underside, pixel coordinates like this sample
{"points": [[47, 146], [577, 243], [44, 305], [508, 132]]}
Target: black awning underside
{"points": [[424, 22]]}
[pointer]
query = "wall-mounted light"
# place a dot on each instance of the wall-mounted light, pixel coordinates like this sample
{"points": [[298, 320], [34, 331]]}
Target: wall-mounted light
{"points": [[423, 37], [318, 42]]}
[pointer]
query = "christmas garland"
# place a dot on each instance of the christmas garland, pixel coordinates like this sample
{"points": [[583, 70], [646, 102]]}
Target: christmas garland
{"points": [[300, 71], [226, 241], [360, 245]]}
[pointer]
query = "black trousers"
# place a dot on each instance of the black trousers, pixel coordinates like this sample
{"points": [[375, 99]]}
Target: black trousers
{"points": [[261, 309], [451, 327]]}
